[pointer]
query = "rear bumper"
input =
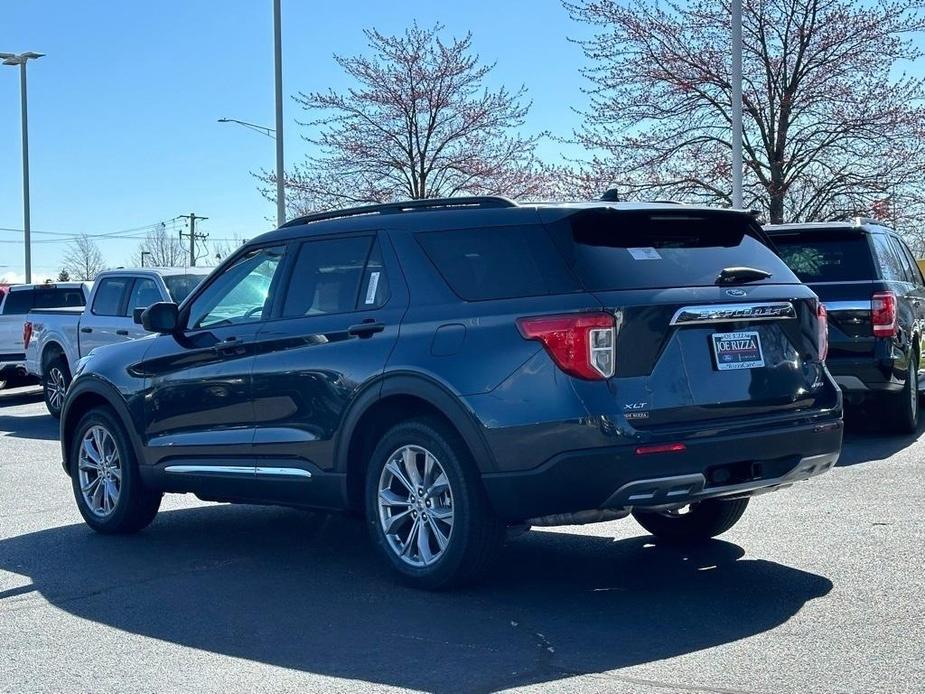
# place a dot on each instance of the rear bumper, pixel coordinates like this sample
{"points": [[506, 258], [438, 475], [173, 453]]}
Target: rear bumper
{"points": [[864, 374], [709, 467]]}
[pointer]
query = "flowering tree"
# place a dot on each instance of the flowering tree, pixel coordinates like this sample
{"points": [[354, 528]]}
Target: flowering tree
{"points": [[831, 128], [419, 122]]}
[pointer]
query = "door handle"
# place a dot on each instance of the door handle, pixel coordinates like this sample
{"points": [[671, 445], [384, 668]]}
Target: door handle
{"points": [[367, 328], [86, 330], [230, 345], [122, 332]]}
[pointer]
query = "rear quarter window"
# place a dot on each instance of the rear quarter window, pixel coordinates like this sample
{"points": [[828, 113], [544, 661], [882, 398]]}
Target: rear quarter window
{"points": [[826, 257], [498, 262], [611, 249]]}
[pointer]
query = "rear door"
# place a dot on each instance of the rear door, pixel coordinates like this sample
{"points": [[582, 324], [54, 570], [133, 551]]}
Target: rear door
{"points": [[104, 323], [691, 346], [333, 329]]}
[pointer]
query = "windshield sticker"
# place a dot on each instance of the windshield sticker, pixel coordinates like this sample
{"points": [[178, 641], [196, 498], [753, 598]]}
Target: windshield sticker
{"points": [[644, 253]]}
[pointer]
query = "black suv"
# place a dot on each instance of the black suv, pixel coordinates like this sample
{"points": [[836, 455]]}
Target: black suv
{"points": [[875, 296], [454, 368]]}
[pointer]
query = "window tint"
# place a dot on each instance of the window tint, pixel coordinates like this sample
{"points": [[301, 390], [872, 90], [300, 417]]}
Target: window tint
{"points": [[109, 293], [17, 303], [181, 286], [498, 263], [58, 297], [891, 266], [909, 269], [609, 249], [916, 270], [241, 294], [326, 277], [144, 293], [826, 257]]}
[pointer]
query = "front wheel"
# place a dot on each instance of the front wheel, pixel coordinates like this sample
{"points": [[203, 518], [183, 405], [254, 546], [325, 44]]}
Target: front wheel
{"points": [[104, 474], [427, 511], [56, 378], [694, 523]]}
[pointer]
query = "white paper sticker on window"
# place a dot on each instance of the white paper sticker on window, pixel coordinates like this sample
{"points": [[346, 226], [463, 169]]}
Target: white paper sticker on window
{"points": [[644, 253], [373, 286]]}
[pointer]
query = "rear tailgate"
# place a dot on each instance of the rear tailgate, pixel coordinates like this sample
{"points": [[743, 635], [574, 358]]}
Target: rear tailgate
{"points": [[690, 348]]}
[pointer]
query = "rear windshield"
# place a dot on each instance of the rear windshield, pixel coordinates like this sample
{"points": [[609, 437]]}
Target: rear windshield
{"points": [[180, 286], [24, 300], [498, 262], [608, 249], [816, 257]]}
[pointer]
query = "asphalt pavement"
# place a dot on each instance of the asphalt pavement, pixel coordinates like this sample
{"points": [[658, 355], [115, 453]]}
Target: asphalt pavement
{"points": [[820, 588]]}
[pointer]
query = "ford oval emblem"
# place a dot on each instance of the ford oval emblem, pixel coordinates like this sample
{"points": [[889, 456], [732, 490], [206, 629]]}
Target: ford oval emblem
{"points": [[736, 292]]}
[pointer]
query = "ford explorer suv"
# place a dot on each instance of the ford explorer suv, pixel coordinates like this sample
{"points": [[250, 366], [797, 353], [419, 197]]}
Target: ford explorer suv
{"points": [[874, 293], [55, 339], [453, 368], [18, 300]]}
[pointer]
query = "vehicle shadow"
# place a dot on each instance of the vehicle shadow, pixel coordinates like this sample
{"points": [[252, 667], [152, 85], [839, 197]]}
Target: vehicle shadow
{"points": [[20, 396], [868, 438], [304, 591]]}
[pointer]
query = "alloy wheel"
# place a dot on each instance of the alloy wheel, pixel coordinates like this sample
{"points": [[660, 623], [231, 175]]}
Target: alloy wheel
{"points": [[415, 506], [99, 471], [57, 388]]}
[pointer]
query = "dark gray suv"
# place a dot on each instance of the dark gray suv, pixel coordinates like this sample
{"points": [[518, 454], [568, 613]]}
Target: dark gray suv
{"points": [[453, 368]]}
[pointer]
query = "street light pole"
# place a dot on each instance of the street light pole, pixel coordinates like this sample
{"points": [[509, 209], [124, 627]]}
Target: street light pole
{"points": [[21, 60], [737, 103], [278, 65]]}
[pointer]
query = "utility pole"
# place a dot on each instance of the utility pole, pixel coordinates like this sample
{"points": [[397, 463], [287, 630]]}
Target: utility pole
{"points": [[737, 103], [192, 218], [278, 80], [21, 60]]}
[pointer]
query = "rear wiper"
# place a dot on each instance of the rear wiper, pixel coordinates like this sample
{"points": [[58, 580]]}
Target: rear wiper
{"points": [[737, 275]]}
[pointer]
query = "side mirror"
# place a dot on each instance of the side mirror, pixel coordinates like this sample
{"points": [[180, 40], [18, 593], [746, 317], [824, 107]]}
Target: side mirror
{"points": [[162, 317], [136, 315]]}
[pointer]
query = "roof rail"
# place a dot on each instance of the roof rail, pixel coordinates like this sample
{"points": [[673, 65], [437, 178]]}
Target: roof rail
{"points": [[870, 220], [611, 195], [481, 201]]}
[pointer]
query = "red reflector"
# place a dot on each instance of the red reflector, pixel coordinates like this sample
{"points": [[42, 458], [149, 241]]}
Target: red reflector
{"points": [[661, 448], [883, 314], [26, 334]]}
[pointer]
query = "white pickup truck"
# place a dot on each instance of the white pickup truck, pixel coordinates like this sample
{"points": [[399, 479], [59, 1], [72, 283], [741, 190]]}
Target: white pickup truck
{"points": [[18, 301], [55, 339]]}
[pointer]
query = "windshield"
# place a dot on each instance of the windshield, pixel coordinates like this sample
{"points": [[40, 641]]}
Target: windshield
{"points": [[180, 286]]}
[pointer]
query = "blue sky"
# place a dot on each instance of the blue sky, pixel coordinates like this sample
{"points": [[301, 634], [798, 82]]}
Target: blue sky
{"points": [[123, 109]]}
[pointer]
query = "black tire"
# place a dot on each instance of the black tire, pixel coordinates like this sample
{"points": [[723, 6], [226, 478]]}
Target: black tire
{"points": [[136, 505], [903, 408], [476, 536], [704, 520], [54, 370]]}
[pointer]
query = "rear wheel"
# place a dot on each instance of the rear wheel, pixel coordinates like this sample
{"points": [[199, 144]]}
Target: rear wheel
{"points": [[904, 409], [104, 475], [426, 509], [56, 378], [694, 523]]}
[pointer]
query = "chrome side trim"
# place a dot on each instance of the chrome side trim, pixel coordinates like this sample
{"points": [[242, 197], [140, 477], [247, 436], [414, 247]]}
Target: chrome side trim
{"points": [[282, 472], [732, 313], [847, 305], [198, 469]]}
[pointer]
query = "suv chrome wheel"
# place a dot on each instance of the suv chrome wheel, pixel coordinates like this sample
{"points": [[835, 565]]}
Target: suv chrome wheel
{"points": [[99, 471], [57, 387], [415, 506]]}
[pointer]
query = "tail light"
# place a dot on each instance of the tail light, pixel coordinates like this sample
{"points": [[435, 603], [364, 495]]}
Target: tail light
{"points": [[581, 344], [26, 334], [883, 314], [822, 330]]}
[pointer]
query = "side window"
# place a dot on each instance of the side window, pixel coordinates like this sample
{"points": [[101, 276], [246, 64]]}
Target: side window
{"points": [[109, 294], [327, 276], [144, 293], [17, 303], [900, 253], [891, 267], [241, 294], [915, 272]]}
